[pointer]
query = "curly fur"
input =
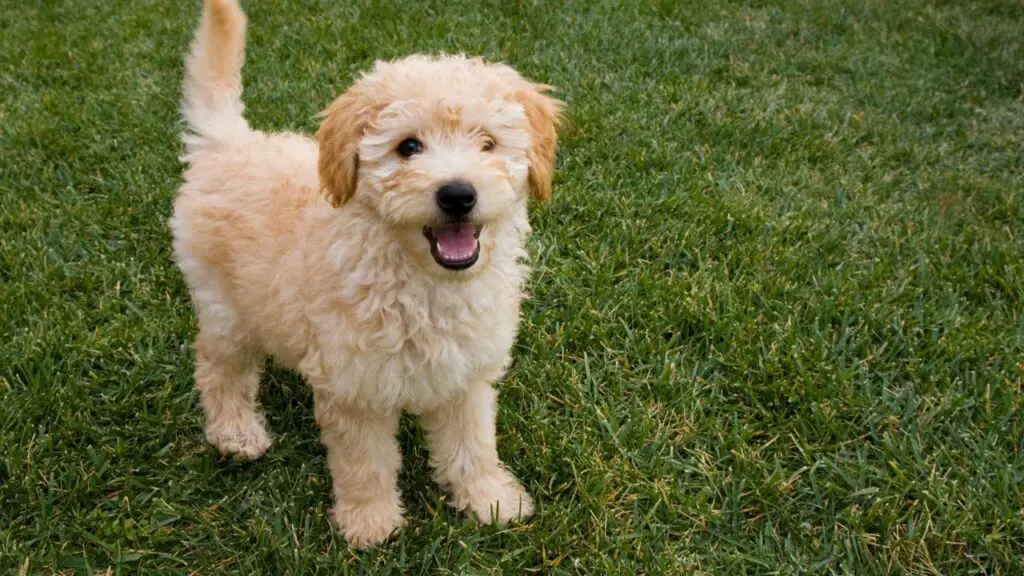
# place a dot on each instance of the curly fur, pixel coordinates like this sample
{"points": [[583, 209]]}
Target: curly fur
{"points": [[312, 251]]}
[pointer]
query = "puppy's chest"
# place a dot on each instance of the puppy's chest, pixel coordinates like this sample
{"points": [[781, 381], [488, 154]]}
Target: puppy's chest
{"points": [[415, 352]]}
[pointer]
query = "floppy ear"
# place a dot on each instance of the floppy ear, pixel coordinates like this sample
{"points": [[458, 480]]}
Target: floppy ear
{"points": [[339, 134], [543, 114]]}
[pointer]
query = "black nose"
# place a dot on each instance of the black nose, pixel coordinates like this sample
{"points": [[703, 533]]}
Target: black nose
{"points": [[456, 198]]}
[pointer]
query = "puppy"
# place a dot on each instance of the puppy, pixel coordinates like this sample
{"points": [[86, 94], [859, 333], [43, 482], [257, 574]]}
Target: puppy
{"points": [[383, 261]]}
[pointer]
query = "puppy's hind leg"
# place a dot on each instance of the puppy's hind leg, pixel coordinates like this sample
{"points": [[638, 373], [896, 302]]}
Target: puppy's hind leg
{"points": [[227, 376]]}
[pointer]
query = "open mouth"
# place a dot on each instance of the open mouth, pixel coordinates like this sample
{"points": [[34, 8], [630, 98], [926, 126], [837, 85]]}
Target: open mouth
{"points": [[455, 246]]}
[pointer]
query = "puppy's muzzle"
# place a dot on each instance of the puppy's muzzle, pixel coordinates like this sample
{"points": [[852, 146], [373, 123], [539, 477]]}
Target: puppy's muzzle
{"points": [[455, 244]]}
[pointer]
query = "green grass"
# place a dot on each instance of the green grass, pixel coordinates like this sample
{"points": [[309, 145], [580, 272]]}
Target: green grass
{"points": [[776, 318]]}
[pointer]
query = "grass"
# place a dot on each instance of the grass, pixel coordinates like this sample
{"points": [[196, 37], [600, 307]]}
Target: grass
{"points": [[776, 319]]}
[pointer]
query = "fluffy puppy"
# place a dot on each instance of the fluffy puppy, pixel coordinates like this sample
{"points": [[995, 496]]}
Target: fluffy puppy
{"points": [[383, 261]]}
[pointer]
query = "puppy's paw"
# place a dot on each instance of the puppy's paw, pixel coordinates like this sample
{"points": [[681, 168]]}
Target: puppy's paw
{"points": [[496, 496], [246, 438], [370, 524]]}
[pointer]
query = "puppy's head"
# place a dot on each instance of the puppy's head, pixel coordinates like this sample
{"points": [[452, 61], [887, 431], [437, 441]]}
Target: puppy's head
{"points": [[442, 149]]}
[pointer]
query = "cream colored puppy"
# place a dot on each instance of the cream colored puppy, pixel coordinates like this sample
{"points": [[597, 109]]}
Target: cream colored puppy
{"points": [[383, 261]]}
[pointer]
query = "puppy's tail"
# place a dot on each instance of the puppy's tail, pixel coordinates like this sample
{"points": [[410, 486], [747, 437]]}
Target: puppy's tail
{"points": [[212, 103]]}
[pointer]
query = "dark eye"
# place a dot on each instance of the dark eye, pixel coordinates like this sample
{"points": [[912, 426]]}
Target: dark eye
{"points": [[409, 147], [488, 144]]}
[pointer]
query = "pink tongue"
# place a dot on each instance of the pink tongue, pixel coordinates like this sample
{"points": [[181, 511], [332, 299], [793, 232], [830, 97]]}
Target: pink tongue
{"points": [[456, 242]]}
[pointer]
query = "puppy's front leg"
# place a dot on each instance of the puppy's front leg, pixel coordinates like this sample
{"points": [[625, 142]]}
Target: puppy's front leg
{"points": [[463, 453], [363, 457]]}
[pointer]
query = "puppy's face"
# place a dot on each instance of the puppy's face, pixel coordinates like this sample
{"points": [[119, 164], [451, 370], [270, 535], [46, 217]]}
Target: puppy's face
{"points": [[443, 150]]}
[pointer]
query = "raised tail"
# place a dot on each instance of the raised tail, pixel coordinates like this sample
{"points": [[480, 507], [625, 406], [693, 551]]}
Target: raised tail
{"points": [[212, 103]]}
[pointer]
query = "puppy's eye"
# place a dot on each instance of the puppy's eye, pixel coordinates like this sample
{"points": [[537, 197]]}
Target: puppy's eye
{"points": [[409, 147], [488, 144]]}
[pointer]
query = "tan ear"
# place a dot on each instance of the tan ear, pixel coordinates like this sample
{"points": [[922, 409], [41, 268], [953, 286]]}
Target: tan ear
{"points": [[543, 114], [339, 134]]}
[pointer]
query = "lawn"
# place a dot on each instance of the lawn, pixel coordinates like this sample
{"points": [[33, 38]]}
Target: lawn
{"points": [[776, 319]]}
